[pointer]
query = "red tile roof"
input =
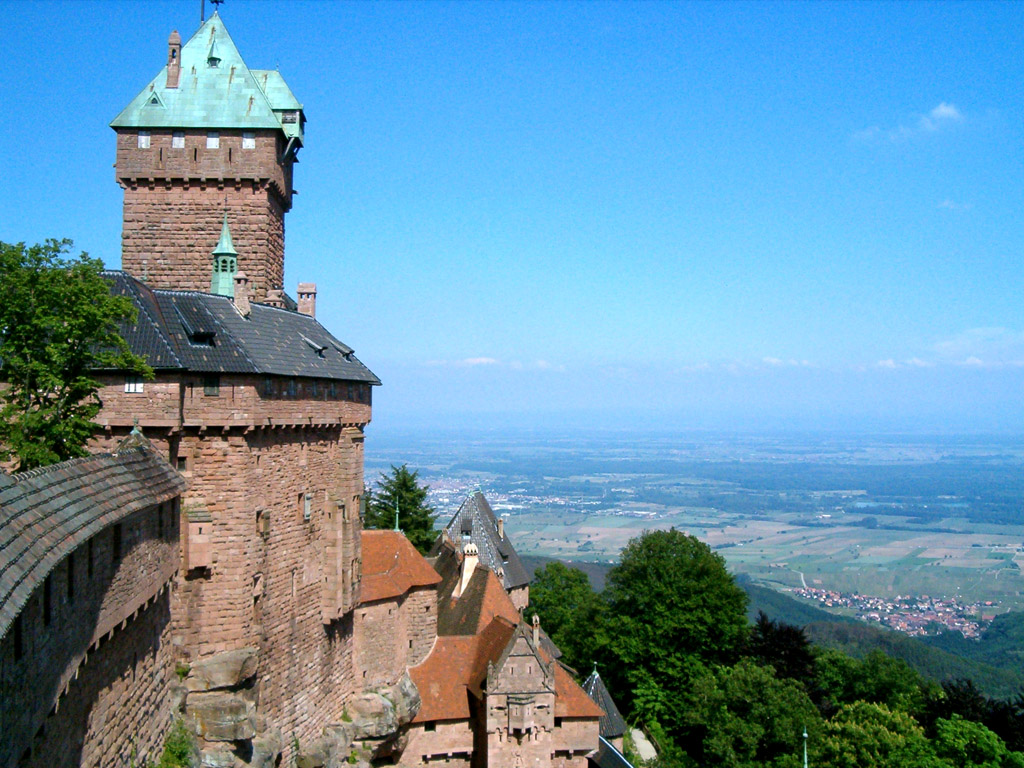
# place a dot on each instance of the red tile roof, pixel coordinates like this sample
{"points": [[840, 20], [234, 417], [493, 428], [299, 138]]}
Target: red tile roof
{"points": [[392, 566], [457, 665]]}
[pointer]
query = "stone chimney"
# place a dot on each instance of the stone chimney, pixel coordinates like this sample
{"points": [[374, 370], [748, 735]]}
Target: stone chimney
{"points": [[242, 294], [275, 298], [470, 557], [173, 59], [501, 528], [536, 631], [307, 299]]}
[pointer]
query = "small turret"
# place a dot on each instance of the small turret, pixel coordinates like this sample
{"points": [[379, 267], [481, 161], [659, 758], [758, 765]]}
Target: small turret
{"points": [[225, 263]]}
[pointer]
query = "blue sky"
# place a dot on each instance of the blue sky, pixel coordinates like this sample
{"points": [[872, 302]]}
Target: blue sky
{"points": [[686, 215]]}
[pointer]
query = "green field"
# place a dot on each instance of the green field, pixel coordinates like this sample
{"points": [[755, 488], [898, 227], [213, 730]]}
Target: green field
{"points": [[833, 553]]}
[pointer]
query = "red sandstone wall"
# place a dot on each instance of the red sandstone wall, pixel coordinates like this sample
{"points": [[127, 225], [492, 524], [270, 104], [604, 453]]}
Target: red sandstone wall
{"points": [[170, 231], [391, 635], [103, 659], [175, 201], [451, 741]]}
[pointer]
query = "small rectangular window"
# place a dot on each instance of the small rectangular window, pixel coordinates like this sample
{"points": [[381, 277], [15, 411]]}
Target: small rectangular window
{"points": [[182, 464], [144, 139], [248, 140], [213, 140], [133, 384], [19, 638], [351, 392], [431, 725], [211, 386], [292, 388], [71, 578], [47, 600], [178, 140], [268, 387]]}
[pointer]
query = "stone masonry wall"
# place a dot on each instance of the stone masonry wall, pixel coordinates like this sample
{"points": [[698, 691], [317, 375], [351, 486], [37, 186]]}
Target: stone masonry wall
{"points": [[450, 741], [176, 198], [170, 231], [84, 669], [391, 635]]}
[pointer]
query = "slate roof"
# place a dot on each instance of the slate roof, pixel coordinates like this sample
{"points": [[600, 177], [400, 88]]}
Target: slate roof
{"points": [[203, 332], [228, 95], [475, 521], [392, 566], [46, 513], [608, 756], [613, 725]]}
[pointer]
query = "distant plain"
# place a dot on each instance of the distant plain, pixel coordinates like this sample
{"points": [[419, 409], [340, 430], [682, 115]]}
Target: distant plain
{"points": [[876, 514]]}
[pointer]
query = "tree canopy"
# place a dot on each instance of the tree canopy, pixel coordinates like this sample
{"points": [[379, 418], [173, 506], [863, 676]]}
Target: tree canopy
{"points": [[572, 614], [59, 324], [400, 490], [676, 609]]}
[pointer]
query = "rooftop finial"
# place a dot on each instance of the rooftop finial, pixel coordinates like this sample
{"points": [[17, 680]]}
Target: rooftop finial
{"points": [[135, 426], [396, 516]]}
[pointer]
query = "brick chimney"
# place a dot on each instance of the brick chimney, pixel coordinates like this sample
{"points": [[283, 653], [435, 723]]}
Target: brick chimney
{"points": [[242, 294], [173, 59], [470, 557], [307, 299], [275, 298], [536, 630]]}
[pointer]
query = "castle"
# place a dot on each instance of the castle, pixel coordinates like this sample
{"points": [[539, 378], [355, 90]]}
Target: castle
{"points": [[277, 628]]}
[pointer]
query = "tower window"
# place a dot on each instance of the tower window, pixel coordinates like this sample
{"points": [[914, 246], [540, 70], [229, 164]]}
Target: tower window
{"points": [[248, 140], [212, 140], [133, 384], [144, 139], [211, 386], [178, 140]]}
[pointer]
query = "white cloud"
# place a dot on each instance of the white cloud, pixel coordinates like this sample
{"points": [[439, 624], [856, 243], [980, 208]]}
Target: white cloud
{"points": [[890, 363], [938, 118], [983, 346], [941, 115], [772, 361], [952, 205], [471, 362]]}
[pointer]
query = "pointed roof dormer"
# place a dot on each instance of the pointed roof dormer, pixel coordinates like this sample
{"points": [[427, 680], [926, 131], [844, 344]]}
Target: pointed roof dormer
{"points": [[225, 263]]}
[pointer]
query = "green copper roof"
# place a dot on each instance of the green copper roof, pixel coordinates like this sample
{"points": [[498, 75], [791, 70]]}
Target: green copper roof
{"points": [[224, 246], [226, 95]]}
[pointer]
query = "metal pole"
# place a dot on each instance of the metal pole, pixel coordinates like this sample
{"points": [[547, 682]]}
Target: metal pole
{"points": [[805, 747]]}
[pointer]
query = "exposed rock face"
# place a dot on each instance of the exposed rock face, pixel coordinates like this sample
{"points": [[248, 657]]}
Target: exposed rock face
{"points": [[217, 716], [373, 716], [229, 669], [407, 700], [266, 749]]}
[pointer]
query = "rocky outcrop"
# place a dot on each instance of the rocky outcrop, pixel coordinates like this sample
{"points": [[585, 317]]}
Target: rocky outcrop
{"points": [[379, 714], [221, 716], [230, 669]]}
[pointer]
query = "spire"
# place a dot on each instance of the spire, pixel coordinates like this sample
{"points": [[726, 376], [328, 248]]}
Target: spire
{"points": [[396, 515], [225, 247], [225, 263]]}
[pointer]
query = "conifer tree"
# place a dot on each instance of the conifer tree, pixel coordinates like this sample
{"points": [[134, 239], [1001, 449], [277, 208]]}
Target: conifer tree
{"points": [[401, 491]]}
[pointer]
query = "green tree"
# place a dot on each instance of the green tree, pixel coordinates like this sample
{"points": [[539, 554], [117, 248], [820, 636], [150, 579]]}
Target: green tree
{"points": [[571, 613], [59, 324], [401, 490], [966, 744], [866, 735], [746, 716], [676, 609]]}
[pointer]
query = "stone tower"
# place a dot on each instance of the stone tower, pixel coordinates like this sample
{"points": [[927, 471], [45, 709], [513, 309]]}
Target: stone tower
{"points": [[208, 140]]}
